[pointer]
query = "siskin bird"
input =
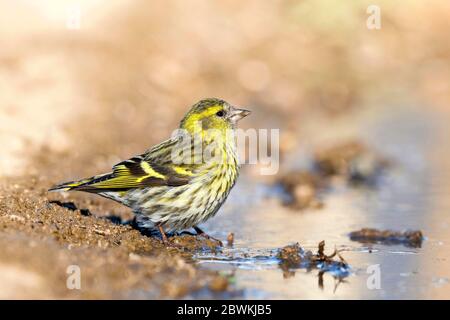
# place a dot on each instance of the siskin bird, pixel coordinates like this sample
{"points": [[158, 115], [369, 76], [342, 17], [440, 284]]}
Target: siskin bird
{"points": [[182, 181]]}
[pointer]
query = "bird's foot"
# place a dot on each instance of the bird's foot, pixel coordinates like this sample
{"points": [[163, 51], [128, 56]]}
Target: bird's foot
{"points": [[203, 234], [165, 239], [207, 236]]}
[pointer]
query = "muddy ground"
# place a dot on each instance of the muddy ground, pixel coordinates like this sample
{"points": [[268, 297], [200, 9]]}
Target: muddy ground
{"points": [[40, 240]]}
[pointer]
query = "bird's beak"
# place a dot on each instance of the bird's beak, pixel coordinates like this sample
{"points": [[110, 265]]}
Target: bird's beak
{"points": [[237, 114]]}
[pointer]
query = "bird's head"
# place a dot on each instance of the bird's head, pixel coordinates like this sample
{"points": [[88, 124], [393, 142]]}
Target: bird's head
{"points": [[212, 114]]}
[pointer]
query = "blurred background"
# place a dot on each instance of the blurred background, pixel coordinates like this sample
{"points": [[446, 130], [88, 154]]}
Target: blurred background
{"points": [[122, 81], [84, 84]]}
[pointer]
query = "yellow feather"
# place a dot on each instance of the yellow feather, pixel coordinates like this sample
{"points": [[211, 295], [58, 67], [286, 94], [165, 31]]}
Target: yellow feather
{"points": [[150, 172], [182, 171]]}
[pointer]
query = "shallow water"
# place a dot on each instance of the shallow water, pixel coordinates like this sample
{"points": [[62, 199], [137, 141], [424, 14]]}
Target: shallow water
{"points": [[412, 194]]}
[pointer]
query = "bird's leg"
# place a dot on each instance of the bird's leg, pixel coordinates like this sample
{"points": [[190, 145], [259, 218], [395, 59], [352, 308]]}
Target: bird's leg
{"points": [[163, 235], [203, 234], [165, 240]]}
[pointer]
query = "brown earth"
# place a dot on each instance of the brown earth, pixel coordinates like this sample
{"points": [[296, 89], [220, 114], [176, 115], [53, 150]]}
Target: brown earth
{"points": [[40, 240], [409, 238]]}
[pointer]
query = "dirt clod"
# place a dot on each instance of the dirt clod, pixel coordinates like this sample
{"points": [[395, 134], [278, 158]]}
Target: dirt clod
{"points": [[410, 238], [303, 190], [290, 255], [295, 257], [353, 161]]}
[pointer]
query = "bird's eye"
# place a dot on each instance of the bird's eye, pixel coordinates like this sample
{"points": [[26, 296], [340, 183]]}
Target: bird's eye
{"points": [[220, 113]]}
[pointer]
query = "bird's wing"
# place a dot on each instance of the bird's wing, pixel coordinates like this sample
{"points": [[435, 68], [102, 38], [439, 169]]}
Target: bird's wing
{"points": [[151, 169], [139, 173]]}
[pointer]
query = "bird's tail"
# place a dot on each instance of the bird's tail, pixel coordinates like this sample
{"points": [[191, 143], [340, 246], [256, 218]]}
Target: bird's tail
{"points": [[78, 185], [67, 186]]}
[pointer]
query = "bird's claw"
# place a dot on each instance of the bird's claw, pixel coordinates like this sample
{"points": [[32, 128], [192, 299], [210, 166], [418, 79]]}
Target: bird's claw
{"points": [[207, 236]]}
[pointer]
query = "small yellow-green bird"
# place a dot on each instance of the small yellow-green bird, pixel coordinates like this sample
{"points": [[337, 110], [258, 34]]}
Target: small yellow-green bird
{"points": [[182, 181]]}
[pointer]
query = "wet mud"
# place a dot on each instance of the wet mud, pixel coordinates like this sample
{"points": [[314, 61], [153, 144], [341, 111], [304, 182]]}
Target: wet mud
{"points": [[42, 238], [295, 257], [409, 238]]}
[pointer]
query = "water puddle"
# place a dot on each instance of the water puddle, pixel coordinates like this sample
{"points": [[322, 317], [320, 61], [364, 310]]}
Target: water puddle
{"points": [[242, 258], [411, 195]]}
